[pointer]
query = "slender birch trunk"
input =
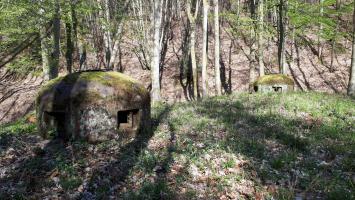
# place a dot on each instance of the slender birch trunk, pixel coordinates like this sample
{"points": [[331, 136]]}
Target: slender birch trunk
{"points": [[192, 20], [107, 34], [204, 49], [193, 58], [45, 45], [155, 93], [260, 38], [44, 51], [217, 50]]}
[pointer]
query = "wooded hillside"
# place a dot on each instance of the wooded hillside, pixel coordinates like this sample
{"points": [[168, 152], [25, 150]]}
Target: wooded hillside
{"points": [[180, 50], [177, 99]]}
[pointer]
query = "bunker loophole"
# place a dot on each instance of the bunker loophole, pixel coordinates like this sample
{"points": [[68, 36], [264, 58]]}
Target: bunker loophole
{"points": [[127, 118], [277, 89], [256, 88]]}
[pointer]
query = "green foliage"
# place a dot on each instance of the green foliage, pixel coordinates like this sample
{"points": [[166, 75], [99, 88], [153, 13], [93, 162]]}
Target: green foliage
{"points": [[21, 126], [19, 19], [23, 66], [302, 17], [284, 159], [285, 194]]}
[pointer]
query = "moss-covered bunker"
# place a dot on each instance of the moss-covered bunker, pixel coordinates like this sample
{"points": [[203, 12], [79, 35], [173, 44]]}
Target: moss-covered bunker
{"points": [[94, 105], [274, 83]]}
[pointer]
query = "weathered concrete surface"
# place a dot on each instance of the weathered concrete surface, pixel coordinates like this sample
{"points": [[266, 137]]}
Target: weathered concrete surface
{"points": [[274, 83], [94, 105]]}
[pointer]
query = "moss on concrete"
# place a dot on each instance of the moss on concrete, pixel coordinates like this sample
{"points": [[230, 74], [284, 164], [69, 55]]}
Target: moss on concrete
{"points": [[89, 97], [116, 80], [273, 79]]}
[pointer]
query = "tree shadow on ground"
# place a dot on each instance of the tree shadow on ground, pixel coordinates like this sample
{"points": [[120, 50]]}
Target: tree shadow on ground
{"points": [[31, 174], [289, 146], [56, 168], [280, 149], [160, 186], [109, 179]]}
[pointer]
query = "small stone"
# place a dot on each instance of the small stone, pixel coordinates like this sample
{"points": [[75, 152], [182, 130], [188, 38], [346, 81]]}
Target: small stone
{"points": [[81, 188]]}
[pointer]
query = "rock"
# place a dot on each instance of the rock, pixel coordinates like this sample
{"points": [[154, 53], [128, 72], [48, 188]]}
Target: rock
{"points": [[93, 105], [274, 83]]}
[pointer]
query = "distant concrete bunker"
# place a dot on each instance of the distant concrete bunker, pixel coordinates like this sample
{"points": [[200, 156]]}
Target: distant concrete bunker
{"points": [[94, 105], [274, 83]]}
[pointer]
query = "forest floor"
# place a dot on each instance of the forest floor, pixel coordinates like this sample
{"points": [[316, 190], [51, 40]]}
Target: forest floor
{"points": [[241, 146]]}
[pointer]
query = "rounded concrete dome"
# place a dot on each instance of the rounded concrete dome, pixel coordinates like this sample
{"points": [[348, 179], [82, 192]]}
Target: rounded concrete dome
{"points": [[274, 83]]}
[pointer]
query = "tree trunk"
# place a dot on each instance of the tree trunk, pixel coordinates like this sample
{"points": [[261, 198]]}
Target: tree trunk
{"points": [[334, 39], [82, 53], [332, 52], [44, 51], [155, 93], [320, 29], [351, 87], [293, 42], [70, 46], [260, 38], [217, 46], [75, 31], [54, 61], [107, 34], [281, 45], [116, 48], [114, 31], [204, 49], [192, 20], [45, 45], [193, 58]]}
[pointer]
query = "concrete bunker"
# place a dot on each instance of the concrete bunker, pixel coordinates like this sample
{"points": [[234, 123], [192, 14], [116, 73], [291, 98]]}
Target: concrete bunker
{"points": [[274, 83], [93, 105]]}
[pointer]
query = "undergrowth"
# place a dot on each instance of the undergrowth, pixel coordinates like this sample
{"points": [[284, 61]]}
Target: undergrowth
{"points": [[242, 146]]}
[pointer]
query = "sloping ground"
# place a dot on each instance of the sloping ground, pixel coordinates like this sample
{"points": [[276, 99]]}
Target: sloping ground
{"points": [[310, 72], [17, 96], [230, 147]]}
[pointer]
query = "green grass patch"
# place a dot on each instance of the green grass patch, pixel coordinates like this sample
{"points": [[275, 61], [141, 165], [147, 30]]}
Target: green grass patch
{"points": [[21, 126], [274, 146]]}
